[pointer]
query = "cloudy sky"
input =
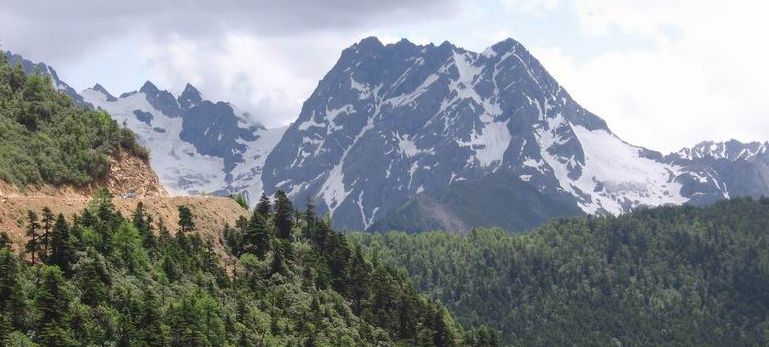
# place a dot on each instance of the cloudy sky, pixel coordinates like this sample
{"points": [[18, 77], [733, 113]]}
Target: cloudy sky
{"points": [[663, 73]]}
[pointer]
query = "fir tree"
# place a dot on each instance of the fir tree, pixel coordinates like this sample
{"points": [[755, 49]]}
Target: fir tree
{"points": [[278, 264], [186, 222], [94, 279], [153, 327], [45, 238], [33, 246], [233, 239], [310, 219], [62, 249], [257, 236], [12, 297], [284, 214], [359, 280], [264, 207], [53, 300]]}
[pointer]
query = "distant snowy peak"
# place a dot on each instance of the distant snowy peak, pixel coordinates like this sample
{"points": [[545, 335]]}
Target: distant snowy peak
{"points": [[436, 115], [731, 150], [190, 97], [99, 88], [198, 146]]}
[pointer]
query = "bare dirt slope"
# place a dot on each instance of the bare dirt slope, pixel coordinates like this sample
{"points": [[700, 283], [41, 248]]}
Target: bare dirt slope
{"points": [[131, 181], [211, 213]]}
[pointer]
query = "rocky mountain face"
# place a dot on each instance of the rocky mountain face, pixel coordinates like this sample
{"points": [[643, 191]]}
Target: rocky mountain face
{"points": [[718, 170], [197, 146], [407, 125]]}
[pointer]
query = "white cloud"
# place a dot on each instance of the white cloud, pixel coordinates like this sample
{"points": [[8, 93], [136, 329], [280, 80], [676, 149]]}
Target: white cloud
{"points": [[270, 77], [703, 77]]}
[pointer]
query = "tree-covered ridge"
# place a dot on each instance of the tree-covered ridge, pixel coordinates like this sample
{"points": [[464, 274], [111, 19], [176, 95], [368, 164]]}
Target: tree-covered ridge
{"points": [[107, 280], [666, 276], [46, 138]]}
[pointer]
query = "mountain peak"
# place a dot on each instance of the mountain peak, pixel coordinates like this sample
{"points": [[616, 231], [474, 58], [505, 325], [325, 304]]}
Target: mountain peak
{"points": [[190, 97], [149, 88], [99, 88]]}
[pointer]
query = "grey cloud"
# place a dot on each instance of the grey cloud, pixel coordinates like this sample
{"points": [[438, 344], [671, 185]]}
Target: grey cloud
{"points": [[69, 27]]}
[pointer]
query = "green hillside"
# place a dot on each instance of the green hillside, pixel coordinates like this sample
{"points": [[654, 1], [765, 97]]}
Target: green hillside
{"points": [[665, 276], [45, 138]]}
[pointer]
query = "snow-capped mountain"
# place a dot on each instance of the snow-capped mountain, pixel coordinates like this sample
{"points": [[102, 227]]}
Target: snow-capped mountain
{"points": [[414, 138], [401, 124], [197, 146], [717, 170], [731, 150]]}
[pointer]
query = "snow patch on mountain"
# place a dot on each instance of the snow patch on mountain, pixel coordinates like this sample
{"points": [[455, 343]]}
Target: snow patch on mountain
{"points": [[181, 169], [235, 148], [617, 178]]}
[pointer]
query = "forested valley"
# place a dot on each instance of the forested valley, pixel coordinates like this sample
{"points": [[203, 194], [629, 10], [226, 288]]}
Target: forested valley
{"points": [[683, 276]]}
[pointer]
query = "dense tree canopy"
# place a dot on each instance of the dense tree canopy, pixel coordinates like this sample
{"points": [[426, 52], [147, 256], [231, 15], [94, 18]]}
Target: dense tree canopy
{"points": [[46, 138], [108, 280], [665, 276]]}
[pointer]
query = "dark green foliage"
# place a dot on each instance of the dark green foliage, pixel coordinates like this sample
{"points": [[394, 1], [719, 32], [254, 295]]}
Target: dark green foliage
{"points": [[186, 222], [45, 236], [53, 299], [315, 290], [34, 246], [666, 276], [257, 236], [62, 247], [45, 138], [284, 216], [264, 207]]}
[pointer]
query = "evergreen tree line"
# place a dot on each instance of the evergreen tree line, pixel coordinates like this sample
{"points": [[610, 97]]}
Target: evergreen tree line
{"points": [[46, 138], [682, 276], [282, 278]]}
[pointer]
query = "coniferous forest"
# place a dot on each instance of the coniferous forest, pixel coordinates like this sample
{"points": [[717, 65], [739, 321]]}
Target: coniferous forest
{"points": [[287, 279], [682, 276]]}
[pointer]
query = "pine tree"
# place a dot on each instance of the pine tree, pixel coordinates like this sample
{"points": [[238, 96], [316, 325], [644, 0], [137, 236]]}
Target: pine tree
{"points": [[359, 280], [94, 279], [186, 222], [33, 245], [138, 218], [143, 224], [164, 236], [152, 332], [310, 219], [12, 297], [53, 300], [278, 264], [257, 236], [45, 239], [62, 249], [284, 214], [233, 239], [264, 207], [88, 219]]}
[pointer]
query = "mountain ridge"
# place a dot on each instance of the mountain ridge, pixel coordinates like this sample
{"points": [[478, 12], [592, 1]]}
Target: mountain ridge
{"points": [[399, 124], [442, 114]]}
